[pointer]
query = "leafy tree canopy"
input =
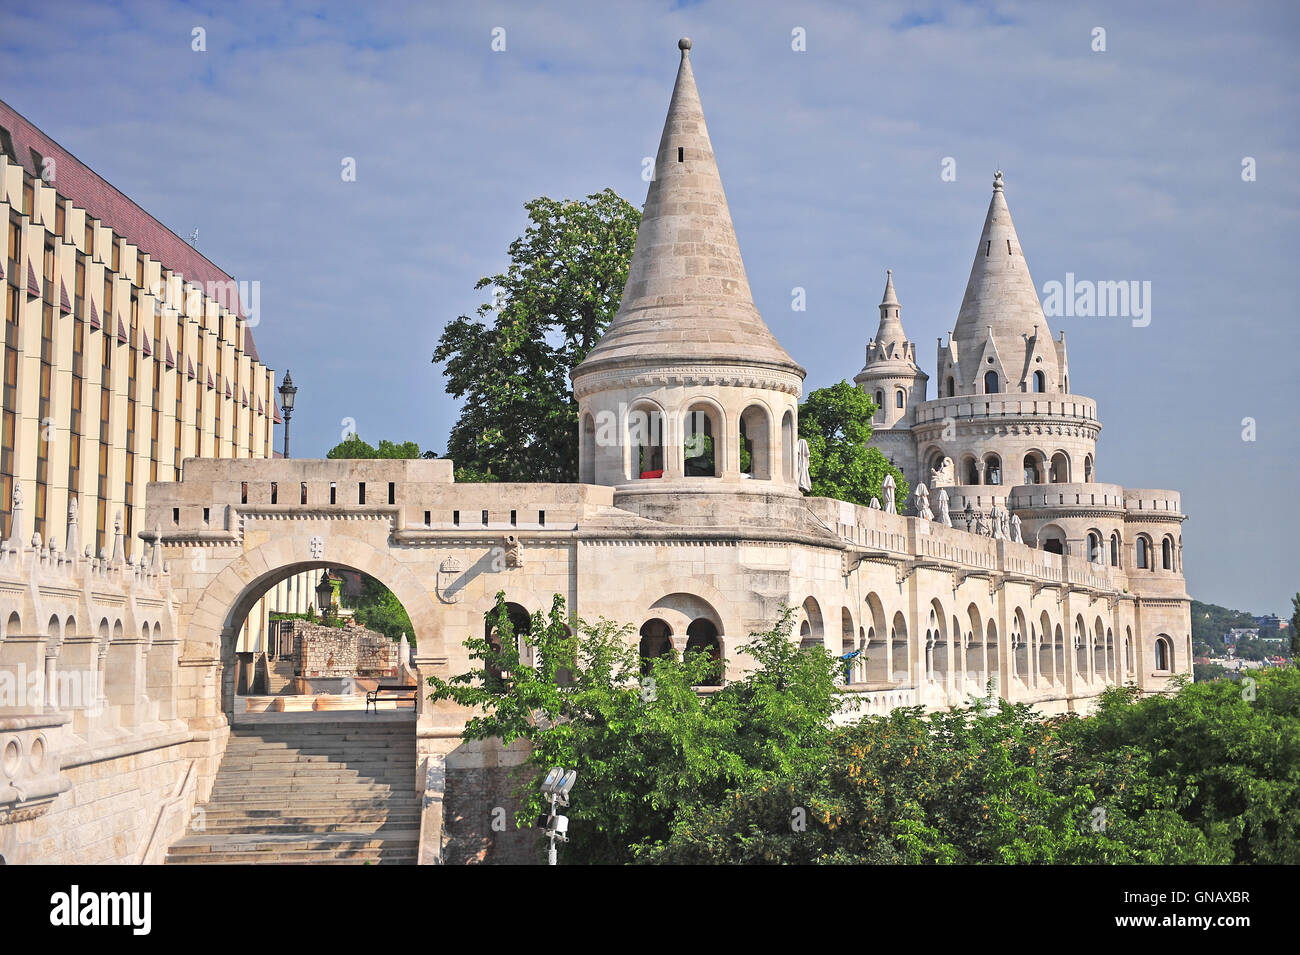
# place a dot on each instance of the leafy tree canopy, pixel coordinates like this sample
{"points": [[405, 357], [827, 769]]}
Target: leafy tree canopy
{"points": [[511, 363], [354, 447], [836, 423]]}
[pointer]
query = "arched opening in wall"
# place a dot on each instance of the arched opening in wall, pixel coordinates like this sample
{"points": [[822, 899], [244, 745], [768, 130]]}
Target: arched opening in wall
{"points": [[849, 649], [1167, 553], [1021, 650], [1164, 653], [991, 383], [900, 399], [875, 668], [950, 387], [880, 401], [1128, 650], [1052, 539], [811, 629], [1058, 655], [1099, 667], [587, 453], [1033, 468], [756, 443], [1143, 548], [1060, 471], [1114, 549], [521, 625], [936, 641], [701, 447], [973, 662], [991, 654], [970, 468], [1046, 665], [787, 446], [1081, 650], [1094, 547], [702, 637], [645, 434], [1087, 469], [656, 642], [1040, 382], [337, 634], [1111, 674], [992, 469], [900, 659], [13, 625]]}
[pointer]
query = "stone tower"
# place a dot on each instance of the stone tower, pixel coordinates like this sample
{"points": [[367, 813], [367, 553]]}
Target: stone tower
{"points": [[894, 381], [687, 385]]}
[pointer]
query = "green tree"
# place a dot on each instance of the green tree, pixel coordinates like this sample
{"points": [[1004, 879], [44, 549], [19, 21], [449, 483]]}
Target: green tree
{"points": [[649, 749], [354, 447], [511, 364], [378, 608], [1295, 628], [836, 423]]}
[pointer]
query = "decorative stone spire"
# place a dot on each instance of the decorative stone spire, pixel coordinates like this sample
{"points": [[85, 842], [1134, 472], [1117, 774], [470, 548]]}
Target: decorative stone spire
{"points": [[73, 545], [1001, 303], [687, 297], [891, 340]]}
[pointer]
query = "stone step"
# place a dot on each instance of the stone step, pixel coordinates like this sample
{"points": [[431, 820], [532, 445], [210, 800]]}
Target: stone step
{"points": [[304, 802], [369, 857], [202, 843], [382, 828], [309, 771]]}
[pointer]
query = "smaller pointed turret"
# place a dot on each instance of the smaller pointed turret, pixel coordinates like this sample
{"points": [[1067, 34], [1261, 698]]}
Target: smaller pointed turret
{"points": [[891, 376]]}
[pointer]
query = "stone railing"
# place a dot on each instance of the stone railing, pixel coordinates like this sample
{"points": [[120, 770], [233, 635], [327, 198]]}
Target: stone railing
{"points": [[1075, 407]]}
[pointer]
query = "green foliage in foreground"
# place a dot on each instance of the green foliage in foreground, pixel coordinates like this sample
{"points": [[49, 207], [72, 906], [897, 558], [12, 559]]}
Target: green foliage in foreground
{"points": [[755, 773]]}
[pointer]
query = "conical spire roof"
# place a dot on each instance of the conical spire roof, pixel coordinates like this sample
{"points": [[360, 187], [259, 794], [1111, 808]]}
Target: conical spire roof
{"points": [[891, 324], [1000, 292], [687, 298]]}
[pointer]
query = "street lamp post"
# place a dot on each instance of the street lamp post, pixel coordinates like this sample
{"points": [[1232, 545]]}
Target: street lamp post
{"points": [[287, 391]]}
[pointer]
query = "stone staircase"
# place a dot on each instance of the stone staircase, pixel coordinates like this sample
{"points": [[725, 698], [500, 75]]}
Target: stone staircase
{"points": [[279, 676], [311, 789]]}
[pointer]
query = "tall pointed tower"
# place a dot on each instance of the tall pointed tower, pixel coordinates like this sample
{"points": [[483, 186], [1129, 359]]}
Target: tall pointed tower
{"points": [[687, 382], [895, 383]]}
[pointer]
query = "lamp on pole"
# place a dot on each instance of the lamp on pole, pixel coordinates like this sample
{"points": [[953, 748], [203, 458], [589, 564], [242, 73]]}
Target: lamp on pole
{"points": [[287, 391]]}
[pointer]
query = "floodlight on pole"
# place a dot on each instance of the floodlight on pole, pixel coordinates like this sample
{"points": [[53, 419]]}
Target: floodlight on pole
{"points": [[557, 784]]}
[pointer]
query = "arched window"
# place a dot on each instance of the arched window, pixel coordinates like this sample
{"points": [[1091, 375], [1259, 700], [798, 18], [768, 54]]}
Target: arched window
{"points": [[1164, 653], [1143, 553], [1040, 382], [756, 443], [645, 430], [1033, 474], [951, 387], [991, 383], [1094, 547], [1114, 550], [898, 398], [1167, 554], [972, 471], [787, 447], [880, 400], [1087, 469], [701, 449], [656, 642], [702, 637], [993, 469], [1060, 468]]}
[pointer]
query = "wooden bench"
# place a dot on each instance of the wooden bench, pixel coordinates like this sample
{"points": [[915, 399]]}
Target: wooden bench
{"points": [[396, 691]]}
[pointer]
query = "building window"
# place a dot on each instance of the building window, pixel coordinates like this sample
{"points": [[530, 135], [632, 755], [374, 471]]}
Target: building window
{"points": [[993, 469], [1167, 554], [1040, 382], [1143, 557], [1164, 654], [1114, 550], [898, 398], [991, 383], [952, 387]]}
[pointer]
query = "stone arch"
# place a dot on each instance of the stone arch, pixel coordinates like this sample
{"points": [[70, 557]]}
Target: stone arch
{"points": [[1116, 547], [1112, 672], [812, 629], [117, 630], [1022, 651], [1098, 641], [1094, 551], [755, 432], [787, 446], [703, 417], [1060, 469], [1144, 559], [644, 428], [1163, 650], [1087, 469], [1035, 466], [1046, 664], [225, 603], [970, 469], [54, 629], [972, 663], [899, 650], [992, 467], [876, 646], [1051, 538], [14, 624], [656, 640], [991, 652], [1081, 649], [1167, 553], [1058, 654], [849, 644], [936, 643], [702, 636]]}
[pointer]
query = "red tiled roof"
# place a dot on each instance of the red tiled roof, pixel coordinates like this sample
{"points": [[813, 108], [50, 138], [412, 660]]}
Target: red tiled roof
{"points": [[81, 184]]}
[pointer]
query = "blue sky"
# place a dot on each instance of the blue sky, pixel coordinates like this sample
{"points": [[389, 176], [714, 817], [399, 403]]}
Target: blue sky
{"points": [[1119, 165]]}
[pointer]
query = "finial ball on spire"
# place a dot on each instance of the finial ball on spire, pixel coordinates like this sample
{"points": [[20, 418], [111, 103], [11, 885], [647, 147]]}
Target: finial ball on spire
{"points": [[684, 44], [997, 180]]}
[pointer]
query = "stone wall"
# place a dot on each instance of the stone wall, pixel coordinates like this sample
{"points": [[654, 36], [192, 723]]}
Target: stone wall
{"points": [[327, 652]]}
